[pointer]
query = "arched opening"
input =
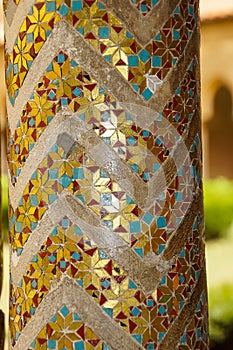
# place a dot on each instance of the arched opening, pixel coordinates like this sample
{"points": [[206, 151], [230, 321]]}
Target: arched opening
{"points": [[221, 135]]}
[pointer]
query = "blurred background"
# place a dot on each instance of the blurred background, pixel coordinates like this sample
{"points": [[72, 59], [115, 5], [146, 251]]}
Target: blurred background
{"points": [[217, 120]]}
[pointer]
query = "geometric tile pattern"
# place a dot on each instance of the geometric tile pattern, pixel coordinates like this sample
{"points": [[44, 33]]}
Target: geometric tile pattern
{"points": [[107, 283], [67, 331], [63, 84], [196, 333], [67, 84], [108, 36], [131, 244], [107, 200]]}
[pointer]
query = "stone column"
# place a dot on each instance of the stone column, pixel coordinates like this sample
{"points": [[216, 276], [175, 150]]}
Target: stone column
{"points": [[104, 154]]}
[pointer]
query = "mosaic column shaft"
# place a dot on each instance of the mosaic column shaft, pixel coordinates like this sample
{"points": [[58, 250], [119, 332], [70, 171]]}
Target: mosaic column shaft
{"points": [[104, 154]]}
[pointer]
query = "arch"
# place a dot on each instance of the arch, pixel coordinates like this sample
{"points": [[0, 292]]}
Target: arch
{"points": [[223, 103], [220, 132]]}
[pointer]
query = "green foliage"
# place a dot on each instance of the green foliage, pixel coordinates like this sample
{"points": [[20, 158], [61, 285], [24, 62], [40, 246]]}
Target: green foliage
{"points": [[221, 315], [218, 203]]}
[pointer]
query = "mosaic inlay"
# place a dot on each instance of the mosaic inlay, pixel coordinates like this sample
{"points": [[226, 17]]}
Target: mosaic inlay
{"points": [[66, 84], [107, 283], [67, 331], [107, 200], [196, 333], [104, 154], [108, 36]]}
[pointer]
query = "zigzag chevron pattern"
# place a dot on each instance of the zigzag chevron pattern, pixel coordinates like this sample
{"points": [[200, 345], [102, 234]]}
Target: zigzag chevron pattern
{"points": [[68, 251], [102, 30], [104, 154], [115, 207], [66, 84]]}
